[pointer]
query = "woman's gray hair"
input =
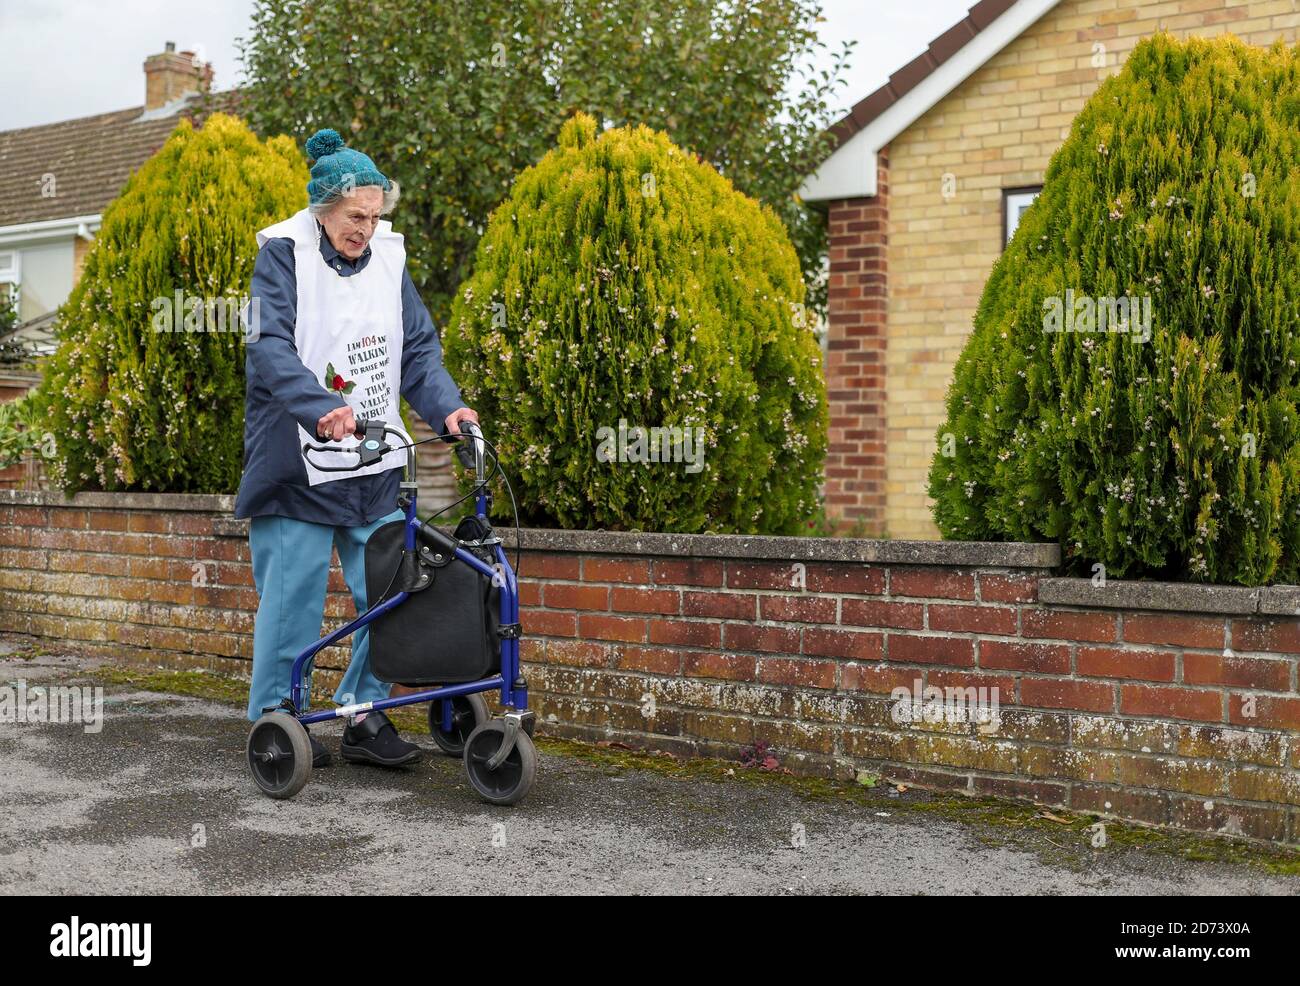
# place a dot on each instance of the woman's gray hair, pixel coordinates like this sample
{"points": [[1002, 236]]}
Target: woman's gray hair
{"points": [[391, 195]]}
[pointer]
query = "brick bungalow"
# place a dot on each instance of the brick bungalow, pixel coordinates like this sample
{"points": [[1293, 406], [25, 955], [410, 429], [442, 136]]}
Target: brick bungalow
{"points": [[52, 193], [927, 181]]}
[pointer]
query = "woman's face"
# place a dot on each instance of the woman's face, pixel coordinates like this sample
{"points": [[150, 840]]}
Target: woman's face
{"points": [[352, 221]]}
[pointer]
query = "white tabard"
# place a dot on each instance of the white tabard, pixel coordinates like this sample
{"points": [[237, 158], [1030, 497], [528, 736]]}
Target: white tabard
{"points": [[349, 332]]}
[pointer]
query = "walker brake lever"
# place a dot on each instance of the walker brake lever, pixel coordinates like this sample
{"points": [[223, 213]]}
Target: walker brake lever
{"points": [[308, 448]]}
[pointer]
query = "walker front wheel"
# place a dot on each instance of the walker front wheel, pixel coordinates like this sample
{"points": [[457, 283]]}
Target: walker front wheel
{"points": [[511, 780], [279, 754], [467, 713]]}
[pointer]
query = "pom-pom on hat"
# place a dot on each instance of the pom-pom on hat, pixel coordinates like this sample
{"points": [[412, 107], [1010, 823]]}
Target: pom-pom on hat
{"points": [[338, 168]]}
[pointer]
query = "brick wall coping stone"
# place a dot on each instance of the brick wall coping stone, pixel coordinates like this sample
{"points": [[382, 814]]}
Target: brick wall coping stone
{"points": [[967, 554], [206, 502], [971, 554], [1279, 600], [1151, 595], [1187, 597]]}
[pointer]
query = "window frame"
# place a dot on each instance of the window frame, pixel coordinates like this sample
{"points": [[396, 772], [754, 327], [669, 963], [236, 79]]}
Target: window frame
{"points": [[14, 275], [13, 279], [1008, 196]]}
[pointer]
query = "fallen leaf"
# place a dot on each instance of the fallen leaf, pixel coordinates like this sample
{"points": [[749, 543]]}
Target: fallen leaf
{"points": [[1052, 818]]}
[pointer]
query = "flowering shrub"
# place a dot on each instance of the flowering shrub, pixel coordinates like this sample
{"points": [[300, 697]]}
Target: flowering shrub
{"points": [[21, 430], [1132, 385], [634, 338], [142, 402]]}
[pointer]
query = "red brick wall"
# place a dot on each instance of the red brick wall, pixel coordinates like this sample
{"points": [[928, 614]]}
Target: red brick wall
{"points": [[1109, 701], [855, 359]]}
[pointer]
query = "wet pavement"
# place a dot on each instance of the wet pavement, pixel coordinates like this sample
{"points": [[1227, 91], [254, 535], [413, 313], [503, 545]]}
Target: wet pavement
{"points": [[159, 800]]}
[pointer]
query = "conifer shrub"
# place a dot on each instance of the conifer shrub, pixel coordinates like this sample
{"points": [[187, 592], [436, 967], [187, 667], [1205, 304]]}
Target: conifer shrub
{"points": [[1131, 388], [146, 390], [625, 285]]}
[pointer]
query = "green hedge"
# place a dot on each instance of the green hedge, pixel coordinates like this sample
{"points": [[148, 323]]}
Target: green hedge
{"points": [[623, 280], [1165, 448], [135, 408]]}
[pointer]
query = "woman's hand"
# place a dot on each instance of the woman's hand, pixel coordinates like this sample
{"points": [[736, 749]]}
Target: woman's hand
{"points": [[337, 424], [457, 416]]}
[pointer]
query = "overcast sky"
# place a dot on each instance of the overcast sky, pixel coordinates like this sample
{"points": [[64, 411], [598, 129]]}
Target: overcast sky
{"points": [[61, 59]]}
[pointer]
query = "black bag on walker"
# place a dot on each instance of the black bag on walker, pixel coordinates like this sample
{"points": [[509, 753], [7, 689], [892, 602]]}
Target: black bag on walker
{"points": [[443, 634]]}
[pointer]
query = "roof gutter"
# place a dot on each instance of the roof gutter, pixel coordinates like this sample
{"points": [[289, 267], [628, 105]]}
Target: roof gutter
{"points": [[850, 172], [84, 227]]}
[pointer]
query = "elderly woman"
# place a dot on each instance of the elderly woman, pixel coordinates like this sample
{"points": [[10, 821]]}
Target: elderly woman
{"points": [[342, 333]]}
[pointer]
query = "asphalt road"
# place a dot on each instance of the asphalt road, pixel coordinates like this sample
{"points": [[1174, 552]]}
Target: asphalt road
{"points": [[159, 800]]}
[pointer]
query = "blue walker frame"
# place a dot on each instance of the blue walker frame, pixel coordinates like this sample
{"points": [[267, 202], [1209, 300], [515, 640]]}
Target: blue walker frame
{"points": [[513, 688]]}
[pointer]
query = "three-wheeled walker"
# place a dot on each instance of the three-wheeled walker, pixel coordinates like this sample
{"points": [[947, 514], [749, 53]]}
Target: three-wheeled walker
{"points": [[443, 617]]}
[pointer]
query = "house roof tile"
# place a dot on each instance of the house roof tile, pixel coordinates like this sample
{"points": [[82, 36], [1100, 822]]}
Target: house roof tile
{"points": [[918, 69], [90, 159]]}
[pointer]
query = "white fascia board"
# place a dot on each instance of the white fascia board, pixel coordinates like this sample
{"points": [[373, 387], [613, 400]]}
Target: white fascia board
{"points": [[850, 172], [49, 229]]}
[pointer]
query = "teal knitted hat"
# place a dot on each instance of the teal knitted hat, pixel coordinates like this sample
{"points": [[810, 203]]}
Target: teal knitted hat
{"points": [[338, 168]]}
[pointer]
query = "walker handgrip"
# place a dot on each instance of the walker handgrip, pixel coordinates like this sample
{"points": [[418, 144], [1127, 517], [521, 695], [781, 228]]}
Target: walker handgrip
{"points": [[469, 449], [465, 450], [359, 430]]}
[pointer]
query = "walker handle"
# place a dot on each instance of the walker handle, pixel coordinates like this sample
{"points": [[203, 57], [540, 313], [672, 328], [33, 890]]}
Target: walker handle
{"points": [[359, 429], [469, 449], [371, 450]]}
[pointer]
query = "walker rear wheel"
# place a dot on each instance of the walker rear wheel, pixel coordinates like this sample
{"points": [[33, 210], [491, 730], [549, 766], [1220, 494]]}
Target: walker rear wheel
{"points": [[279, 754], [508, 784], [467, 713]]}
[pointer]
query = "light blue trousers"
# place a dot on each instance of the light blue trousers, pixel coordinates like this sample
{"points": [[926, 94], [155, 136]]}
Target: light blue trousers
{"points": [[291, 565]]}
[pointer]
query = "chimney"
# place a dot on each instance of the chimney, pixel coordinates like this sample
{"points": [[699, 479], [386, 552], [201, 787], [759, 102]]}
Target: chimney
{"points": [[171, 75]]}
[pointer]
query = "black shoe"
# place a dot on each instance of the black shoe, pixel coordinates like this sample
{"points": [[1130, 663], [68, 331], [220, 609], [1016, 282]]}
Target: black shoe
{"points": [[320, 757], [375, 740]]}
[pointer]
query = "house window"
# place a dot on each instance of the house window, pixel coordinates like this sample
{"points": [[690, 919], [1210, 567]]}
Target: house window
{"points": [[9, 273], [1014, 203]]}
